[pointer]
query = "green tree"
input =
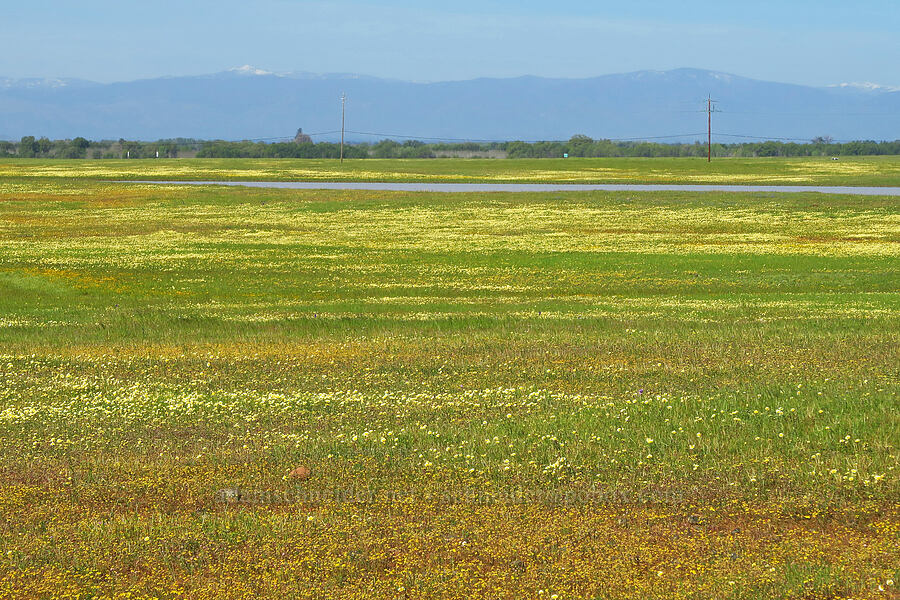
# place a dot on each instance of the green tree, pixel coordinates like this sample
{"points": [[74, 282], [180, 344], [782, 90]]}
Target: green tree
{"points": [[27, 147], [43, 146], [385, 149]]}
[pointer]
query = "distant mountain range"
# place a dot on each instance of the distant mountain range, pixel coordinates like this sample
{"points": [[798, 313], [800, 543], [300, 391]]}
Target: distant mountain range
{"points": [[251, 103]]}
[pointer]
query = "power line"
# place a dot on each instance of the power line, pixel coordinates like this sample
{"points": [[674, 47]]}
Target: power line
{"points": [[812, 114], [422, 137], [709, 109], [535, 141], [758, 137], [657, 137], [286, 137], [774, 138], [497, 141]]}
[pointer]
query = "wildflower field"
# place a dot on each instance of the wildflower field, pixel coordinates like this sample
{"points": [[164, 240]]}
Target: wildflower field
{"points": [[853, 171], [547, 396]]}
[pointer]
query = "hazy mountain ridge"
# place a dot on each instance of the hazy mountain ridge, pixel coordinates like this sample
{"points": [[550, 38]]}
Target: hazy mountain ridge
{"points": [[250, 103]]}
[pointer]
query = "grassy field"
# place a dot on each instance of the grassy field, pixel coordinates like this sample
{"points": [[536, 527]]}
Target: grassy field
{"points": [[550, 396], [877, 171]]}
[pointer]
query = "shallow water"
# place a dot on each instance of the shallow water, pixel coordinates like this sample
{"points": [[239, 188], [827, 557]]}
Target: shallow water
{"points": [[541, 187]]}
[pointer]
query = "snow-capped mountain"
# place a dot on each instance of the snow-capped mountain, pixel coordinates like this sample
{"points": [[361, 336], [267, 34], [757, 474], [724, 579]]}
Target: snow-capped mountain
{"points": [[250, 102]]}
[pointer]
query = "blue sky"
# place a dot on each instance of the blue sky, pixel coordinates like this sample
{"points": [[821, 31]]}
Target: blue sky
{"points": [[799, 41]]}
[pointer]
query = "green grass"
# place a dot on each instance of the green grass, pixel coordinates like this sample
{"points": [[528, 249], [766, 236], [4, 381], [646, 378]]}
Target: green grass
{"points": [[854, 171], [726, 300], [692, 392]]}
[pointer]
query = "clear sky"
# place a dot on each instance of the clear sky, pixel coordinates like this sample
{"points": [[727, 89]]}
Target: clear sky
{"points": [[816, 42]]}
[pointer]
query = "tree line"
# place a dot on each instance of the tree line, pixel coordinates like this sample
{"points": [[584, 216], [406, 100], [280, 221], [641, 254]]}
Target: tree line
{"points": [[79, 147], [577, 146], [584, 146]]}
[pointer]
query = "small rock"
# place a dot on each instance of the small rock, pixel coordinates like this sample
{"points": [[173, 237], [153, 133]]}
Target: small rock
{"points": [[229, 495], [694, 519], [300, 473]]}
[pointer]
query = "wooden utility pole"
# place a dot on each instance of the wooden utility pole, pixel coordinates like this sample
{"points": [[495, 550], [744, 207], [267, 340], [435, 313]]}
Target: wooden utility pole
{"points": [[343, 113]]}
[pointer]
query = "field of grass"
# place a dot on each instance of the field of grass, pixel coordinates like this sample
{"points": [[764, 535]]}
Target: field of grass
{"points": [[549, 396], [875, 171]]}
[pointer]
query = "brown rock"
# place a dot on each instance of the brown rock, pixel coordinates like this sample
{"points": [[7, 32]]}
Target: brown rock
{"points": [[300, 474]]}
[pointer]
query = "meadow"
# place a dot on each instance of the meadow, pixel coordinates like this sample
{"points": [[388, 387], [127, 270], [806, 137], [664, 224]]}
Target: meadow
{"points": [[854, 171], [549, 396]]}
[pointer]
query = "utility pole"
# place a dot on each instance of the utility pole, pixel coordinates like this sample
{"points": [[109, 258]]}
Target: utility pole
{"points": [[710, 109], [343, 113]]}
